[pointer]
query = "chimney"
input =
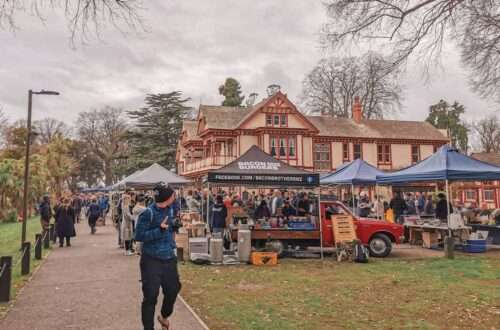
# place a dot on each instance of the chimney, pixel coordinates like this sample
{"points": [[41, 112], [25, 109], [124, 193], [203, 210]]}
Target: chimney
{"points": [[357, 111]]}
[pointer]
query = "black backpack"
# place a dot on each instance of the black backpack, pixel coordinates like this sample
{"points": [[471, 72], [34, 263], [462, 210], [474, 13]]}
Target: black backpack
{"points": [[360, 253]]}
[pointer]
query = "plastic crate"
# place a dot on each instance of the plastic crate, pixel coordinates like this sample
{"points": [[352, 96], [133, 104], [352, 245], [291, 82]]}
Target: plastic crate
{"points": [[475, 246], [300, 225], [264, 258]]}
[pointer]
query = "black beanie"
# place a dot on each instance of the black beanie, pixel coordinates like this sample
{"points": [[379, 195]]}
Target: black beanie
{"points": [[162, 192]]}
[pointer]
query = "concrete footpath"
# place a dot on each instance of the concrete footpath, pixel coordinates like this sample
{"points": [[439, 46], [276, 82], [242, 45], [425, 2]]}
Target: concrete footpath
{"points": [[90, 285]]}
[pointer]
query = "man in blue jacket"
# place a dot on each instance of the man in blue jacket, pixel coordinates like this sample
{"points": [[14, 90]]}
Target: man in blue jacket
{"points": [[155, 228]]}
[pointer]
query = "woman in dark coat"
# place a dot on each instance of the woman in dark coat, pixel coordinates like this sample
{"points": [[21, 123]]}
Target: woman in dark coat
{"points": [[65, 222], [219, 215], [262, 211], [442, 207]]}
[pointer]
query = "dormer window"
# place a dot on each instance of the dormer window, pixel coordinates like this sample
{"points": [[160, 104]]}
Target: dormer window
{"points": [[269, 120], [276, 120], [284, 120]]}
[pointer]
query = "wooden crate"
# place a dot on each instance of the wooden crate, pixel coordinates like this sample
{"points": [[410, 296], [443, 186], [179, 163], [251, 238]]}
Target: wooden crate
{"points": [[264, 258], [429, 238], [343, 228], [182, 241]]}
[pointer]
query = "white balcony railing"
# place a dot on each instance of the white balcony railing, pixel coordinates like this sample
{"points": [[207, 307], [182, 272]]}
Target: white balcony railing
{"points": [[207, 164]]}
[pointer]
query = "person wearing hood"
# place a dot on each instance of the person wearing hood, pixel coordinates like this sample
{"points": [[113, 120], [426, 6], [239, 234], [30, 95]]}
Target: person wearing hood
{"points": [[219, 215], [45, 213]]}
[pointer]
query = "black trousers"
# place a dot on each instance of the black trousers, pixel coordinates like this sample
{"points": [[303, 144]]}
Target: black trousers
{"points": [[156, 273]]}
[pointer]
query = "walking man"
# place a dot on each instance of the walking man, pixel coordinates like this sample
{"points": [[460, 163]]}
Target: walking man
{"points": [[93, 213], [155, 228]]}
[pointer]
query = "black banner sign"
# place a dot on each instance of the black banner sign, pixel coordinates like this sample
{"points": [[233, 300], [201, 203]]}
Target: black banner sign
{"points": [[304, 180]]}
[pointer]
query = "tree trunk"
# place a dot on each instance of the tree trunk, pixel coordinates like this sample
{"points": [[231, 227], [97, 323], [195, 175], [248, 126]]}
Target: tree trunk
{"points": [[108, 172]]}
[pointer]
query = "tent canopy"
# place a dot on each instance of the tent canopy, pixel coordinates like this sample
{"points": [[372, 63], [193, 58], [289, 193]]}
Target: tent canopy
{"points": [[147, 178], [446, 164], [357, 172], [255, 167]]}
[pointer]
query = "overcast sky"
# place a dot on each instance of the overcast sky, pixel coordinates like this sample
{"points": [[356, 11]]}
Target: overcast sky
{"points": [[190, 46]]}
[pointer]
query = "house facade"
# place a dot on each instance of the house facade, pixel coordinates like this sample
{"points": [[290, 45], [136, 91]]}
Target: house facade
{"points": [[316, 143], [479, 194]]}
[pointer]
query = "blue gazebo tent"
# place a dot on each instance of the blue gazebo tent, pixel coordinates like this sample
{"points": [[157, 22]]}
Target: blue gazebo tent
{"points": [[357, 172], [447, 164]]}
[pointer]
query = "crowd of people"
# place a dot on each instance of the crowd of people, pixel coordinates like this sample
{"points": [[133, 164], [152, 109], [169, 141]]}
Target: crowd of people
{"points": [[68, 210], [222, 205], [400, 205]]}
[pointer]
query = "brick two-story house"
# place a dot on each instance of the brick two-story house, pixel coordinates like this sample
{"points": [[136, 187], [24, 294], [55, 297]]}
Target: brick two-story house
{"points": [[317, 143]]}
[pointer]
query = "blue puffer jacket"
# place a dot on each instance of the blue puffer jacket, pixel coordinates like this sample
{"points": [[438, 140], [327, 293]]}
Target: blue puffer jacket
{"points": [[157, 243]]}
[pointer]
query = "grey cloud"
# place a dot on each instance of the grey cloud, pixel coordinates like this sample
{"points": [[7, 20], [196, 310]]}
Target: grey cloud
{"points": [[190, 46]]}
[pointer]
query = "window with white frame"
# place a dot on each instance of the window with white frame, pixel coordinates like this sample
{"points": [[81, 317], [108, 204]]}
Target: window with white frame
{"points": [[470, 195], [322, 156], [489, 195]]}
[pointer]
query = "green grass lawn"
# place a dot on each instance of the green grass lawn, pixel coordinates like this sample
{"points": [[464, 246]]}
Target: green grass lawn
{"points": [[433, 293], [10, 244]]}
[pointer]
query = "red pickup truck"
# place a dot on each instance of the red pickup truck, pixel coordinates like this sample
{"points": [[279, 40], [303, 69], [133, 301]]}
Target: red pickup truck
{"points": [[377, 235]]}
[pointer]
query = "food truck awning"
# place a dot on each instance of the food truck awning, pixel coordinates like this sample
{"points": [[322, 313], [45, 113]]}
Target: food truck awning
{"points": [[255, 167], [446, 164]]}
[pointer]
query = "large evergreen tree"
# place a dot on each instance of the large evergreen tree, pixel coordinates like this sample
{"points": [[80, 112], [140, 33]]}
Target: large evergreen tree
{"points": [[446, 116], [157, 129], [231, 90]]}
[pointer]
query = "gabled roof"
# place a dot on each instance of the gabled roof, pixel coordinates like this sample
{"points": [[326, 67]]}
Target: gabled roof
{"points": [[191, 129], [231, 118], [222, 117], [488, 157], [376, 128], [279, 96]]}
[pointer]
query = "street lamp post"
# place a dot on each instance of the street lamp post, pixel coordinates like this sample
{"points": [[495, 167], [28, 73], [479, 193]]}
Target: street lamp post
{"points": [[27, 160]]}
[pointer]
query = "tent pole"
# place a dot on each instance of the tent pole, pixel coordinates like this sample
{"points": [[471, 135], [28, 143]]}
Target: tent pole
{"points": [[448, 205], [208, 205], [202, 200], [320, 224], [352, 196]]}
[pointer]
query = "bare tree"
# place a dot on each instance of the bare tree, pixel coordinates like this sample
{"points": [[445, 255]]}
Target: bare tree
{"points": [[331, 86], [48, 128], [488, 133], [4, 123], [82, 15], [104, 133], [420, 27]]}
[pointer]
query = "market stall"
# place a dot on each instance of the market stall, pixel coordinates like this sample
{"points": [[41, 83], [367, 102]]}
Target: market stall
{"points": [[356, 173], [146, 179], [446, 165], [255, 168]]}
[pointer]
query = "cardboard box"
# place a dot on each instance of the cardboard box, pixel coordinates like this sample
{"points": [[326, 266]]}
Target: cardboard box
{"points": [[429, 239]]}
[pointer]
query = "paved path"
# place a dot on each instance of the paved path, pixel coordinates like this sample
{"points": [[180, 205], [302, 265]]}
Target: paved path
{"points": [[90, 285]]}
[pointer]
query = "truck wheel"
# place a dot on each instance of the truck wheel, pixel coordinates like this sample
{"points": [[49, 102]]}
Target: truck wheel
{"points": [[380, 246]]}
